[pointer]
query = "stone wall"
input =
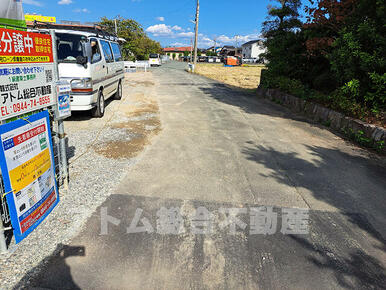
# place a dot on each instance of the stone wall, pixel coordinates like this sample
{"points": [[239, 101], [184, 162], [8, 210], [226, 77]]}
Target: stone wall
{"points": [[371, 135]]}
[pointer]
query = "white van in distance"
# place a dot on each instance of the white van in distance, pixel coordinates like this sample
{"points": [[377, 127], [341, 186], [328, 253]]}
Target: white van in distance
{"points": [[154, 59], [91, 60]]}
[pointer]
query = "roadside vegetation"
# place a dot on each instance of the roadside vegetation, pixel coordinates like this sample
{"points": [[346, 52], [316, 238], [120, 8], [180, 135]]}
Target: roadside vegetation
{"points": [[138, 45], [247, 77], [336, 58]]}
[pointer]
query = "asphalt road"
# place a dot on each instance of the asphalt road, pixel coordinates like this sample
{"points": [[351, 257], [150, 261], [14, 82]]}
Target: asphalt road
{"points": [[224, 148]]}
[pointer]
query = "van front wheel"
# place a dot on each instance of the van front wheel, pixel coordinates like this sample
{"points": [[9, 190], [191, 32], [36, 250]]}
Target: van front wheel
{"points": [[99, 110], [118, 94]]}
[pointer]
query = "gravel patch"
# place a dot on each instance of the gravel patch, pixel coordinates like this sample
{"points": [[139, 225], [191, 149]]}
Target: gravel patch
{"points": [[93, 178], [145, 116]]}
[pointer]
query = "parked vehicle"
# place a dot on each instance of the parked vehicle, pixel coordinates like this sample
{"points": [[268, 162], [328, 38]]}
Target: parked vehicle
{"points": [[154, 59], [92, 62], [250, 60], [186, 58], [202, 59]]}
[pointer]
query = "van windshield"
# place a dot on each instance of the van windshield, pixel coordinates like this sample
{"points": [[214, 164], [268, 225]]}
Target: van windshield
{"points": [[153, 55], [69, 47]]}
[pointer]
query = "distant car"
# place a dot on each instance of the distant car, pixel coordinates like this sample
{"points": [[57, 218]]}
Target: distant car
{"points": [[186, 58], [154, 59], [202, 59], [250, 60]]}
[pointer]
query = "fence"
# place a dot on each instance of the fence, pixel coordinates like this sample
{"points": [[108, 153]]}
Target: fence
{"points": [[132, 66]]}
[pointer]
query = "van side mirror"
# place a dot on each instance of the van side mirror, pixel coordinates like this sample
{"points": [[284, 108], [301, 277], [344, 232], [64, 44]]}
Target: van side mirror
{"points": [[82, 60]]}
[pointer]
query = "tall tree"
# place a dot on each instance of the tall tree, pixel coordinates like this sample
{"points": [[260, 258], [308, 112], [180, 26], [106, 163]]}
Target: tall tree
{"points": [[325, 19], [138, 45], [346, 44], [284, 40], [358, 54]]}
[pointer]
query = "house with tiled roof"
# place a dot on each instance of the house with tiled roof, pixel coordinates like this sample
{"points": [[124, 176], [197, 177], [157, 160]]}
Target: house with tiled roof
{"points": [[176, 53]]}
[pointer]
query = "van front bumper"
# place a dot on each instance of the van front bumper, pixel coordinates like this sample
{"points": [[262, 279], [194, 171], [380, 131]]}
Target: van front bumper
{"points": [[83, 102]]}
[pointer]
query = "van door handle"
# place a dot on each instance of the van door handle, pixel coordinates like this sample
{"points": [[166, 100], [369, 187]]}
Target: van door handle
{"points": [[103, 66]]}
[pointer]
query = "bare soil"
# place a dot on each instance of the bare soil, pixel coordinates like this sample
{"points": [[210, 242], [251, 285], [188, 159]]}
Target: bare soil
{"points": [[142, 120], [245, 77]]}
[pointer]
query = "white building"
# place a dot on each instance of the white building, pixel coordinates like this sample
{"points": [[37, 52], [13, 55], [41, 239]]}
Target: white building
{"points": [[253, 49]]}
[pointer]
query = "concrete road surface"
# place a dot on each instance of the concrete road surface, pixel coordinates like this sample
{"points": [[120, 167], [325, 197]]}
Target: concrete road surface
{"points": [[221, 148]]}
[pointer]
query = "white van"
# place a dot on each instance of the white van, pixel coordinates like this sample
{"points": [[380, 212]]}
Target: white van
{"points": [[154, 59], [92, 62]]}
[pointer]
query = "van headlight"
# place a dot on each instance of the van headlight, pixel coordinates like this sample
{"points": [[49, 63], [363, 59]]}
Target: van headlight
{"points": [[81, 85]]}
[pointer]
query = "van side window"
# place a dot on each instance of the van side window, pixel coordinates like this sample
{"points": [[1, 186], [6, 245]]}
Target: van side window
{"points": [[116, 51], [95, 51], [107, 51]]}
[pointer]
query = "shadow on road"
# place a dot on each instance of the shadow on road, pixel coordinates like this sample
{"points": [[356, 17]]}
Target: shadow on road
{"points": [[352, 184], [357, 191], [357, 271], [248, 101], [59, 277], [86, 115]]}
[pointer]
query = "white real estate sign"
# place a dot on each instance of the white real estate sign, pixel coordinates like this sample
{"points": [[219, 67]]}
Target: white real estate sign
{"points": [[26, 72]]}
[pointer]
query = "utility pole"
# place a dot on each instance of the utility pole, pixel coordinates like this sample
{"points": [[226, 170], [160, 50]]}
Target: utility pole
{"points": [[196, 34], [191, 50], [215, 43], [116, 28], [237, 40]]}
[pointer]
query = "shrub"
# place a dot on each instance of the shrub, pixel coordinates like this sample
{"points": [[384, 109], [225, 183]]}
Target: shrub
{"points": [[284, 84]]}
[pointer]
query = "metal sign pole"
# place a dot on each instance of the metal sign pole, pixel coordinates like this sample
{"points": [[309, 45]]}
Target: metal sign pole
{"points": [[63, 166], [3, 244]]}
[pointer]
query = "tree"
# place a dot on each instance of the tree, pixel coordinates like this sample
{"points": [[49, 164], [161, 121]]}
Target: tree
{"points": [[211, 53], [138, 45], [325, 19], [358, 53], [284, 40], [346, 40], [336, 57]]}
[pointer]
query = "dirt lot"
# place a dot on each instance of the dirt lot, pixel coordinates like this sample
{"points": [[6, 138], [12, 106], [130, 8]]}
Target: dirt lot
{"points": [[247, 77]]}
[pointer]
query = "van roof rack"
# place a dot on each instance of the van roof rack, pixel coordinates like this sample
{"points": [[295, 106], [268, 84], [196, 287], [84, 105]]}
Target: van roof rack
{"points": [[97, 30]]}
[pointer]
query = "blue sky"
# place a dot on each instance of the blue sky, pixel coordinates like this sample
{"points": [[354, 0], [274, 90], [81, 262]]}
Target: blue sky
{"points": [[168, 21]]}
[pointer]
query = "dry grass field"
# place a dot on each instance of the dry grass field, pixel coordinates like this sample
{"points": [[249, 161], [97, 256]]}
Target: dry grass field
{"points": [[247, 77]]}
